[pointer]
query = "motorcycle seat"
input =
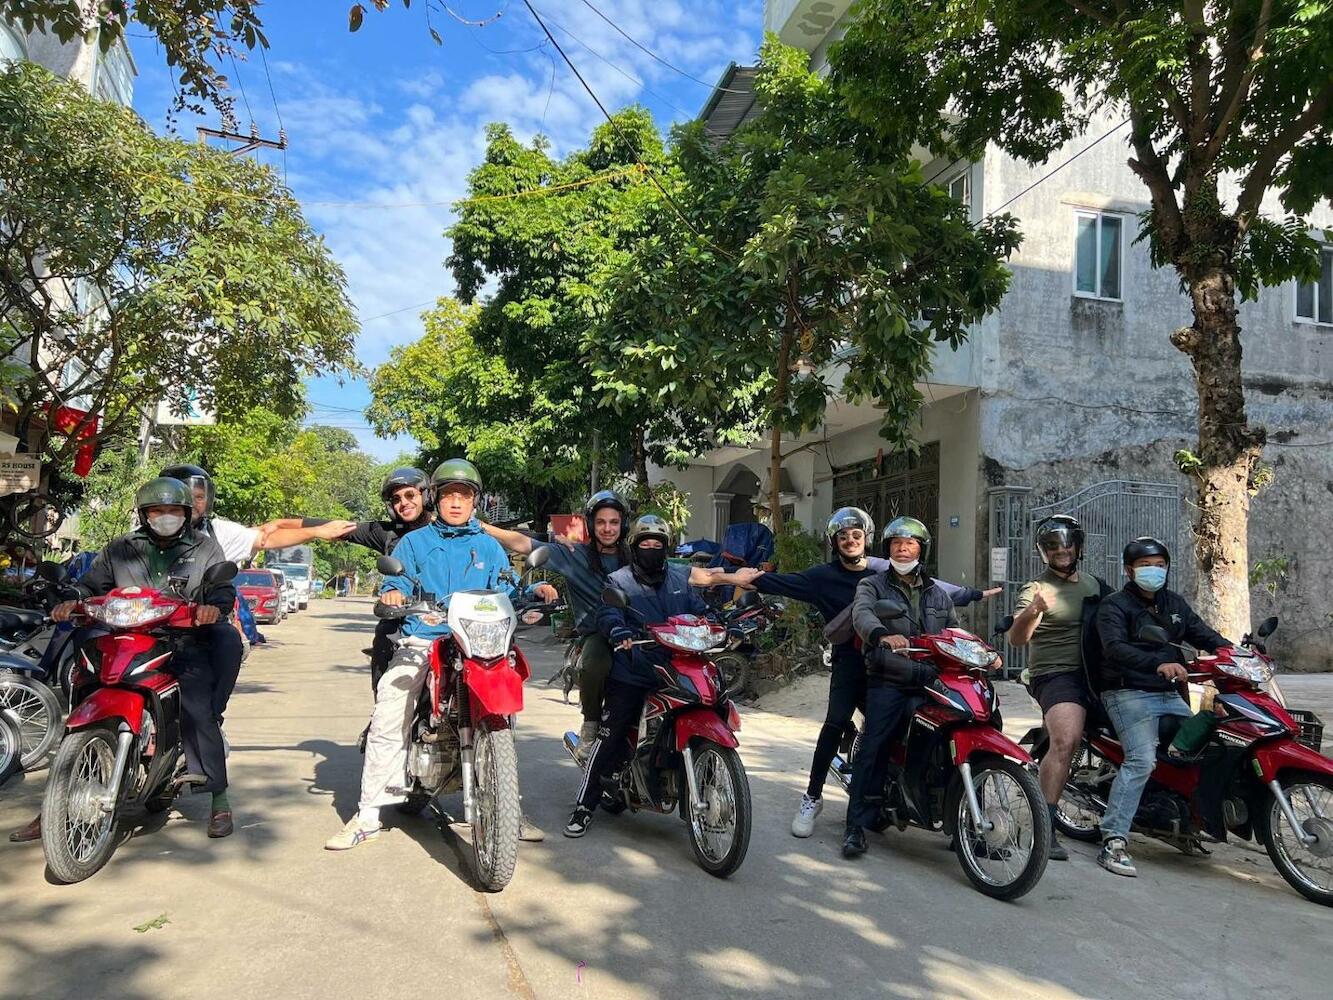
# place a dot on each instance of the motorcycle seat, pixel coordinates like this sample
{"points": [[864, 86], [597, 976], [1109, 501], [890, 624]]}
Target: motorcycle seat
{"points": [[16, 619]]}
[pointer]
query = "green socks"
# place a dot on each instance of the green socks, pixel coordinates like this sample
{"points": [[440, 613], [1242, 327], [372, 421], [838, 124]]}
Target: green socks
{"points": [[220, 803]]}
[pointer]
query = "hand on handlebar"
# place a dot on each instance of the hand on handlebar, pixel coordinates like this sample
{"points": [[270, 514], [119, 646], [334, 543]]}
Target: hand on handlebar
{"points": [[547, 593], [1173, 671], [895, 641], [62, 611], [206, 614], [393, 598]]}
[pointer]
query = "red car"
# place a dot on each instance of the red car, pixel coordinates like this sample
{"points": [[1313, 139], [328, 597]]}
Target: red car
{"points": [[260, 589]]}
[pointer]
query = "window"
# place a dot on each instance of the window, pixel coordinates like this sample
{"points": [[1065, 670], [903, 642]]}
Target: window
{"points": [[1097, 255], [12, 48], [1314, 299], [960, 188]]}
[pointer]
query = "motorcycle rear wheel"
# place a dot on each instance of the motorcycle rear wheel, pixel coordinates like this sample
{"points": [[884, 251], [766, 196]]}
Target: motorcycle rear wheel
{"points": [[1010, 797], [37, 710], [11, 747], [1074, 817], [78, 837], [720, 833], [498, 811], [1307, 870]]}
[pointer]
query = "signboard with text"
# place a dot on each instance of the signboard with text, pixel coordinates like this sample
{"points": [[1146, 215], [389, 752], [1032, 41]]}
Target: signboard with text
{"points": [[19, 473]]}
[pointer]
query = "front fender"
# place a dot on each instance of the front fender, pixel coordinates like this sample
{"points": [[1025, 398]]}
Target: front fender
{"points": [[494, 690], [967, 742], [1271, 759], [704, 723], [19, 664], [108, 703]]}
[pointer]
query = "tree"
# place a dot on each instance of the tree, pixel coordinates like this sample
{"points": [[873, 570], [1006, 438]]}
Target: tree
{"points": [[135, 269], [195, 35], [458, 398], [801, 241], [1216, 94]]}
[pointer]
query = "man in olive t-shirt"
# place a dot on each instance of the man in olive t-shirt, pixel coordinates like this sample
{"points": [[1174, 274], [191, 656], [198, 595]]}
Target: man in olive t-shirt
{"points": [[1050, 617]]}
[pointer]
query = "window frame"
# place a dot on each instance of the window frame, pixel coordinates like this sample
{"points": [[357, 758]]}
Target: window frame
{"points": [[964, 175], [1325, 252], [1098, 215]]}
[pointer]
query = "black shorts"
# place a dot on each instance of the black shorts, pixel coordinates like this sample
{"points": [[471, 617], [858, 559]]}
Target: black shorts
{"points": [[1067, 688]]}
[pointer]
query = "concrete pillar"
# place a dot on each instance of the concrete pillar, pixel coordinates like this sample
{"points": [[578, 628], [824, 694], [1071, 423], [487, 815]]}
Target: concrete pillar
{"points": [[721, 513]]}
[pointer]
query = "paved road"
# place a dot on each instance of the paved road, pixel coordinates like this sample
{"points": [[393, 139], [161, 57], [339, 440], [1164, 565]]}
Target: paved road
{"points": [[623, 913]]}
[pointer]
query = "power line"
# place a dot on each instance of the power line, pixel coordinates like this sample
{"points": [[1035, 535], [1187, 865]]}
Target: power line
{"points": [[282, 130], [241, 84], [395, 312], [643, 48]]}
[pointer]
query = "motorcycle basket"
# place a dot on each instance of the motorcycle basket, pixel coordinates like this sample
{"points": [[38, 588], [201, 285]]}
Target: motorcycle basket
{"points": [[1312, 728]]}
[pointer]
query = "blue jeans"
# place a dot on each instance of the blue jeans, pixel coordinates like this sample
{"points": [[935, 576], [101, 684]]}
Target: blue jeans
{"points": [[1135, 716]]}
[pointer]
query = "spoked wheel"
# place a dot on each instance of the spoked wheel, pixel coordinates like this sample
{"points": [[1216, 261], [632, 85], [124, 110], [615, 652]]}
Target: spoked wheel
{"points": [[1077, 815], [1307, 867], [1006, 859], [720, 831], [11, 747], [734, 670], [497, 811], [37, 710], [78, 833]]}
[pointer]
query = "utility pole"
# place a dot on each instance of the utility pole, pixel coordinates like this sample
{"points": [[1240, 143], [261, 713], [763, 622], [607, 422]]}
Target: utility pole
{"points": [[145, 437], [248, 143]]}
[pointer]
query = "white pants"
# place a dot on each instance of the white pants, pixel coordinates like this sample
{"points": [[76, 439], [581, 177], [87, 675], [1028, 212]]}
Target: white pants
{"points": [[384, 772]]}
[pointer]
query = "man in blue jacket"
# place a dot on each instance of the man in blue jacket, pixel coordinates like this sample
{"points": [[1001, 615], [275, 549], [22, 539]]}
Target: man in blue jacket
{"points": [[657, 590], [449, 555]]}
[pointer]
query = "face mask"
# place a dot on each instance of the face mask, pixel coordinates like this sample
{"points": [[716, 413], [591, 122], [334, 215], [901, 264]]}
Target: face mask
{"points": [[166, 525], [1150, 578], [650, 560], [904, 566]]}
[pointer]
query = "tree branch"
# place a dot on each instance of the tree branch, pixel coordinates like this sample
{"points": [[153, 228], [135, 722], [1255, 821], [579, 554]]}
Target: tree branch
{"points": [[1152, 170], [1242, 86], [1261, 173]]}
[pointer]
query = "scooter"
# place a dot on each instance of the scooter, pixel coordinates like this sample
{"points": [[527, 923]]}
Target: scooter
{"points": [[953, 770], [121, 749], [1260, 776], [685, 747]]}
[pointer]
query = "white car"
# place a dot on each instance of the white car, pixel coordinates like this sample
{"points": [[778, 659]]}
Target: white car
{"points": [[299, 575], [288, 591]]}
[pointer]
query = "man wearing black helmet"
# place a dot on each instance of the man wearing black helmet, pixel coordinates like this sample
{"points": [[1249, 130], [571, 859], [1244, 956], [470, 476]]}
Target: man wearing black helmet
{"points": [[656, 590], [1055, 618], [920, 607], [165, 546], [1141, 681]]}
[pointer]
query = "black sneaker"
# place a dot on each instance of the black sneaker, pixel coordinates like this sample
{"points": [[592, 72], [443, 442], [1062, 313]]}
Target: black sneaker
{"points": [[854, 842], [579, 821], [1058, 851]]}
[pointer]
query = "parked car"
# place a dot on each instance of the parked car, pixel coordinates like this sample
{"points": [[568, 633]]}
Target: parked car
{"points": [[317, 587], [288, 591], [299, 575], [262, 590]]}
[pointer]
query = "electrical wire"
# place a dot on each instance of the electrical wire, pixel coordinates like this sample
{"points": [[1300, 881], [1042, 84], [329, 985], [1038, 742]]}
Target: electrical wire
{"points": [[241, 85]]}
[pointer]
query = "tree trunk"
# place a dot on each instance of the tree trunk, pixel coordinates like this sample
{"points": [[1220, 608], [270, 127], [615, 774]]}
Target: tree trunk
{"points": [[777, 402], [640, 460], [1228, 454]]}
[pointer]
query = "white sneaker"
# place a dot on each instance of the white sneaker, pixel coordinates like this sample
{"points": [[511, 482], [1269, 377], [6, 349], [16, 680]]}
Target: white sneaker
{"points": [[804, 823], [352, 835]]}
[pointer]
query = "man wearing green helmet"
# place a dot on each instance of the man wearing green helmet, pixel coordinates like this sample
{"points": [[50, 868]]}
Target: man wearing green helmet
{"points": [[920, 606], [446, 556]]}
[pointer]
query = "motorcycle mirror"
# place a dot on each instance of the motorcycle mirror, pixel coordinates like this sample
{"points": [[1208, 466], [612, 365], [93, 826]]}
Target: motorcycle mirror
{"points": [[52, 572], [1268, 627], [219, 573], [1154, 634], [748, 599], [615, 598], [885, 609], [389, 566], [539, 557], [1005, 624]]}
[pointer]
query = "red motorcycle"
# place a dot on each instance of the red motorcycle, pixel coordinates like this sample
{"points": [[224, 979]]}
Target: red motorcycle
{"points": [[462, 734], [1260, 776], [952, 769], [685, 747], [121, 751]]}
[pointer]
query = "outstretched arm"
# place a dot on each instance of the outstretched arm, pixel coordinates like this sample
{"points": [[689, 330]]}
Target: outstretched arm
{"points": [[514, 541], [281, 538]]}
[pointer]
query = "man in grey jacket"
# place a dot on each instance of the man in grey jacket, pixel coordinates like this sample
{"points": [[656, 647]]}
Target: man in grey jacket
{"points": [[920, 606]]}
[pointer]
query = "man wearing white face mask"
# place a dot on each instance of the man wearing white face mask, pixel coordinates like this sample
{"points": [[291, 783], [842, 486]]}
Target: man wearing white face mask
{"points": [[1141, 681]]}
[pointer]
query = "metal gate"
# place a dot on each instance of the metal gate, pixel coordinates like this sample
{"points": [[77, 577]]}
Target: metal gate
{"points": [[1112, 514], [903, 483]]}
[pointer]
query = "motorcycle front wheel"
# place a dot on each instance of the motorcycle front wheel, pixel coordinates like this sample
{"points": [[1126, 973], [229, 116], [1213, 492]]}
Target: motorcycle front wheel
{"points": [[1307, 868], [37, 710], [734, 669], [1006, 860], [497, 810], [78, 835], [720, 830]]}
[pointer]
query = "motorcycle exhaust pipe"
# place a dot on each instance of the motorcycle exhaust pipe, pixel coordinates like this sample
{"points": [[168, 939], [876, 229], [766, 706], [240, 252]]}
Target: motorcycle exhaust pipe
{"points": [[1285, 805], [973, 806]]}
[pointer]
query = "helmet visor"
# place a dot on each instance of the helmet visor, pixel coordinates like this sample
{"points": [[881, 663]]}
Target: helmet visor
{"points": [[843, 520], [1056, 537]]}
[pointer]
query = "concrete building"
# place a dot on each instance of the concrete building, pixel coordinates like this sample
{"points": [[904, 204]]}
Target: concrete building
{"points": [[1070, 396]]}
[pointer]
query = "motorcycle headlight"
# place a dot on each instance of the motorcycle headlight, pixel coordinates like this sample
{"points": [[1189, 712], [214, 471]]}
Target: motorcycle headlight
{"points": [[127, 612], [972, 652], [487, 640], [691, 638], [1247, 667]]}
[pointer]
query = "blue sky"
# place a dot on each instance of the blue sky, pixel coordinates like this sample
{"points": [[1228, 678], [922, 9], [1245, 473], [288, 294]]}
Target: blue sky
{"points": [[385, 117]]}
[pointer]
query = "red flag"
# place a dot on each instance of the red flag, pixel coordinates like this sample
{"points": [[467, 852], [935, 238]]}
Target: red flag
{"points": [[67, 420]]}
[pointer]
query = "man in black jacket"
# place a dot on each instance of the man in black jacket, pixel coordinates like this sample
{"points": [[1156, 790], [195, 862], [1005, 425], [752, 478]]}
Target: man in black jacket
{"points": [[1141, 680], [921, 607], [162, 549]]}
